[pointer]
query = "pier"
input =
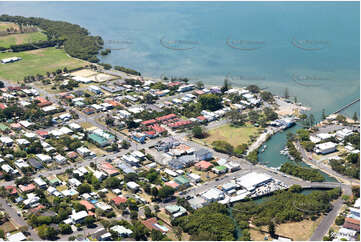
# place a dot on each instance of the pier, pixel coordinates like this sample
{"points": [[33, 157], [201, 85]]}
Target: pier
{"points": [[346, 106]]}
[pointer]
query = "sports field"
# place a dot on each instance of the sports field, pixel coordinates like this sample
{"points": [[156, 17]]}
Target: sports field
{"points": [[16, 39], [233, 135], [35, 62]]}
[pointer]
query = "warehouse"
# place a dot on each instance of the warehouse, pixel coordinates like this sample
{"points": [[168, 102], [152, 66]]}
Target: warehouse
{"points": [[253, 180]]}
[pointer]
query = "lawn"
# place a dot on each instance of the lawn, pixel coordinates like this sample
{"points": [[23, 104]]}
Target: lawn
{"points": [[298, 231], [233, 135], [16, 39], [37, 62], [7, 227]]}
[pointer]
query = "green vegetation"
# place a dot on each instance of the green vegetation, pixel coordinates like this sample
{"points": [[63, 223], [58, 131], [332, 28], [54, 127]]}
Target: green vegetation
{"points": [[350, 166], [293, 151], [222, 146], [210, 101], [285, 206], [198, 132], [253, 156], [37, 62], [308, 174], [127, 70], [77, 41], [208, 223], [16, 39]]}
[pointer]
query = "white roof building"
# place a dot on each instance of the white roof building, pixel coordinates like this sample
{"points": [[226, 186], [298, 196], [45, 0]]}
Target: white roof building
{"points": [[44, 158], [19, 236], [132, 185], [213, 195], [325, 148], [121, 230], [40, 182], [78, 216], [252, 180]]}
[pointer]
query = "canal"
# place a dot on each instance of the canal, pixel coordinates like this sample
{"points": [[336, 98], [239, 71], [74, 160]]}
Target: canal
{"points": [[271, 157]]}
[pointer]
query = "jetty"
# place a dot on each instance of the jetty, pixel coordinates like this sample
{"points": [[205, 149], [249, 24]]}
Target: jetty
{"points": [[346, 106]]}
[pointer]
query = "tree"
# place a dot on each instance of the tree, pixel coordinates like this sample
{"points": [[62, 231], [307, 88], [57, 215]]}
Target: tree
{"points": [[236, 117], [253, 88], [355, 117], [222, 146], [47, 232], [323, 115], [84, 188], [198, 132], [156, 235], [148, 212], [210, 102], [270, 114], [311, 120], [286, 95], [178, 232], [267, 96], [154, 192], [133, 215], [65, 229], [225, 86], [165, 191], [89, 221], [112, 182], [272, 230], [200, 85]]}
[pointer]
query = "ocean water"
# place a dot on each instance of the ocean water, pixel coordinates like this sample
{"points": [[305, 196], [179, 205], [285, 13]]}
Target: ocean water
{"points": [[310, 48]]}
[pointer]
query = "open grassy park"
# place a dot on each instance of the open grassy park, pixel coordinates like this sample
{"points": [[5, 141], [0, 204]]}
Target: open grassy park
{"points": [[35, 62], [16, 39], [233, 135]]}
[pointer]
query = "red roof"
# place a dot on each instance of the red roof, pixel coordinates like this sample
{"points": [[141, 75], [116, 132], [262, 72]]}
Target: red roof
{"points": [[149, 223], [202, 118], [3, 106], [11, 189], [87, 205], [157, 128], [42, 133], [148, 122], [198, 92], [112, 102], [166, 117], [15, 126], [119, 200], [150, 133], [173, 84], [203, 165], [351, 223], [172, 184], [27, 188], [179, 123], [72, 154], [108, 168]]}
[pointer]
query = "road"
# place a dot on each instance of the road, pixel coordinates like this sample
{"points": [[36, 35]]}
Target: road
{"points": [[18, 220], [327, 221]]}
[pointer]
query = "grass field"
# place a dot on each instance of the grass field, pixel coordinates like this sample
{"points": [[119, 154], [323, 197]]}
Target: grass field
{"points": [[36, 62], [16, 39], [298, 231], [233, 135]]}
